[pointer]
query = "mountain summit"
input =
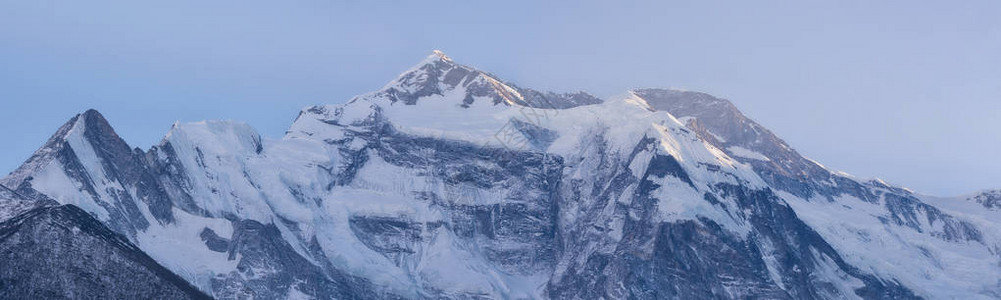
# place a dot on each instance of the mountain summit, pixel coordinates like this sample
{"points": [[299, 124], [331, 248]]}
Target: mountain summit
{"points": [[439, 75], [451, 183]]}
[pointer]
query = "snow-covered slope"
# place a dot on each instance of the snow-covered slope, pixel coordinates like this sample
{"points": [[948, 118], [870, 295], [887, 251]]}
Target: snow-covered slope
{"points": [[452, 183], [922, 242]]}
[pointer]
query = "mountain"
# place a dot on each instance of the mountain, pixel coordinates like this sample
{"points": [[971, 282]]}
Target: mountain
{"points": [[450, 183], [56, 252]]}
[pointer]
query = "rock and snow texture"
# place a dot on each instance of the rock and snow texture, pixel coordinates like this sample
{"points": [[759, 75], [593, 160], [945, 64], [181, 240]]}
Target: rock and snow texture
{"points": [[452, 183], [13, 203], [62, 252]]}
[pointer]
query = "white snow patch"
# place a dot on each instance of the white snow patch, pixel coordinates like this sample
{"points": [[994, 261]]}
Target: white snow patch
{"points": [[746, 153], [933, 267], [179, 247]]}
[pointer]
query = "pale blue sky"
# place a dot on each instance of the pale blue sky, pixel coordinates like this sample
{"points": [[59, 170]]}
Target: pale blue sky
{"points": [[908, 91]]}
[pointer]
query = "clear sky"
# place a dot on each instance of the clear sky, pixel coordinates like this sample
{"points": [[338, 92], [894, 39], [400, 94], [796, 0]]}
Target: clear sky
{"points": [[907, 91]]}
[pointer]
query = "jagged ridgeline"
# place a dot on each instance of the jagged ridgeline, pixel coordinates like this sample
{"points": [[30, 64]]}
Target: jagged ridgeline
{"points": [[451, 183]]}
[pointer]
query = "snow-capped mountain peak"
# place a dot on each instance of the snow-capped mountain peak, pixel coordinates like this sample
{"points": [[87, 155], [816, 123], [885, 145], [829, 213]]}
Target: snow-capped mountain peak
{"points": [[86, 163], [438, 54], [452, 183], [719, 122], [438, 76], [59, 144]]}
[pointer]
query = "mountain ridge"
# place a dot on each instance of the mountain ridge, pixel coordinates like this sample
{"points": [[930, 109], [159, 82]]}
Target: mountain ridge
{"points": [[451, 183]]}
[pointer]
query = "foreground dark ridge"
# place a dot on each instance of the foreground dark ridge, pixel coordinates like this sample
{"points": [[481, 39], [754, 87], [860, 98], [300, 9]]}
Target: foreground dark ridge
{"points": [[63, 252]]}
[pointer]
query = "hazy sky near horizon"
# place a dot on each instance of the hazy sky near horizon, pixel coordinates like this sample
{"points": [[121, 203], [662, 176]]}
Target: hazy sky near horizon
{"points": [[907, 91]]}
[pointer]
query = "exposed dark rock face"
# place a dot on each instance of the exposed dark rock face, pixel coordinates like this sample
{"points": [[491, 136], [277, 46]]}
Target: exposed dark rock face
{"points": [[989, 199], [550, 100], [906, 211], [699, 259], [269, 268], [61, 252], [214, 241], [387, 235], [518, 234]]}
